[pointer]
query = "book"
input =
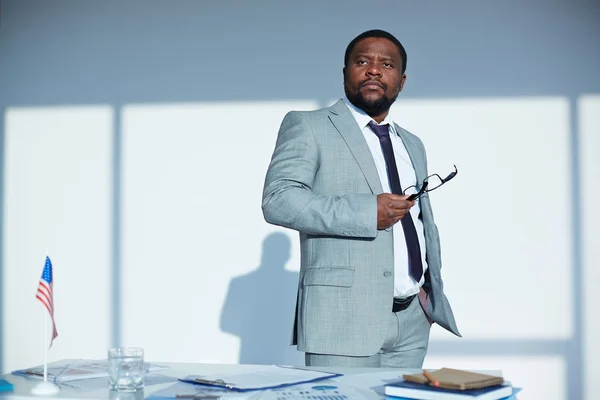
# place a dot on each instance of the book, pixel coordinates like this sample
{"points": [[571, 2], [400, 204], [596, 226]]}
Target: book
{"points": [[70, 370], [419, 391], [456, 379], [513, 396]]}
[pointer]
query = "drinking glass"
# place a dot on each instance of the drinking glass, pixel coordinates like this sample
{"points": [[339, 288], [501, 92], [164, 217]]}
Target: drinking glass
{"points": [[126, 369]]}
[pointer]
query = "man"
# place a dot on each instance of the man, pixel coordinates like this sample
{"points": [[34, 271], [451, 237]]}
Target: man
{"points": [[370, 283]]}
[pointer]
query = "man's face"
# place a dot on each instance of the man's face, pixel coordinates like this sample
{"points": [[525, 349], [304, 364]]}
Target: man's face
{"points": [[373, 77]]}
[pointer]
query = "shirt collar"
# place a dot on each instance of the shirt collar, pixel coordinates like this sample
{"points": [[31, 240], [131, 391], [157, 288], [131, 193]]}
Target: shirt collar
{"points": [[363, 119]]}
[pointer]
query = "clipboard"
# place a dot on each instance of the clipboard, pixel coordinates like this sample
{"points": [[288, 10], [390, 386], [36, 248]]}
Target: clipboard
{"points": [[268, 377]]}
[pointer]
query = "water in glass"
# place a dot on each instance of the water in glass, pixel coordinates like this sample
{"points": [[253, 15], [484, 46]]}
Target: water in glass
{"points": [[126, 369]]}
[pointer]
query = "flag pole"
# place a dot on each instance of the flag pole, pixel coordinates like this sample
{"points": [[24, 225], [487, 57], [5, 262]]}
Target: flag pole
{"points": [[45, 388], [46, 347], [46, 340]]}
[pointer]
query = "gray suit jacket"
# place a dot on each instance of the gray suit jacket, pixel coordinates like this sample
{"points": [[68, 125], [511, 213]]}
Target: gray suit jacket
{"points": [[322, 182]]}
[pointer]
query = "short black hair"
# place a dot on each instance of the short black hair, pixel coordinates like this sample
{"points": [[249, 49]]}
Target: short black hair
{"points": [[376, 33]]}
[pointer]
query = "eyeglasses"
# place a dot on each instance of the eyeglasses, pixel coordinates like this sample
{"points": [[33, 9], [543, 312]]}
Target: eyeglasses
{"points": [[430, 183]]}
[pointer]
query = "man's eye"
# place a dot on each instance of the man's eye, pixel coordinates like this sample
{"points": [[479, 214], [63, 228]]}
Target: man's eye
{"points": [[388, 65], [361, 62]]}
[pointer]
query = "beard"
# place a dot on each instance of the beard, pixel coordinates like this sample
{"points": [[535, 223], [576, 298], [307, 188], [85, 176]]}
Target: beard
{"points": [[371, 107]]}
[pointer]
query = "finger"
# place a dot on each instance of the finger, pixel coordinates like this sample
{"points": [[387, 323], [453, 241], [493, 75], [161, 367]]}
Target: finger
{"points": [[405, 198], [402, 204], [396, 197]]}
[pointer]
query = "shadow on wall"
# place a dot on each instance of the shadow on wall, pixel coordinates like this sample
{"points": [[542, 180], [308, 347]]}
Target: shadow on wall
{"points": [[260, 306]]}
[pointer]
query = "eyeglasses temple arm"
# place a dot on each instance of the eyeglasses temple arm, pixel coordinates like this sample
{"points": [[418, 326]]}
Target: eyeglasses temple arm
{"points": [[452, 175]]}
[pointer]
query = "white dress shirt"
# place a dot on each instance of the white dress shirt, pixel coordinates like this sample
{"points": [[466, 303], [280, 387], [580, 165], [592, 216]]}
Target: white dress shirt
{"points": [[404, 284]]}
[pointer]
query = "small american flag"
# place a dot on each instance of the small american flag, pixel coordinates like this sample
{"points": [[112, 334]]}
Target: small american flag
{"points": [[44, 294]]}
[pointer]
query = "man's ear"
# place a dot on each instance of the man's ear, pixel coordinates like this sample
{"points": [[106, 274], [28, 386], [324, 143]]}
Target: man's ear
{"points": [[344, 73], [402, 81]]}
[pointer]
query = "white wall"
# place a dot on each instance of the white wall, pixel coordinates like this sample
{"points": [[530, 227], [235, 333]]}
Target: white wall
{"points": [[589, 124], [192, 188], [57, 202], [506, 252], [501, 251], [191, 222]]}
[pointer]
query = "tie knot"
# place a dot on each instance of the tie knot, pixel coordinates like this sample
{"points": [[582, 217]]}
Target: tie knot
{"points": [[380, 130]]}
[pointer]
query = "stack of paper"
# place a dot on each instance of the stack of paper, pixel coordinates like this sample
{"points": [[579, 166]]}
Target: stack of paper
{"points": [[70, 370]]}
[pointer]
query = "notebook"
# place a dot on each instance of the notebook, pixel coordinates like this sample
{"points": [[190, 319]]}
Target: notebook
{"points": [[418, 391], [457, 379]]}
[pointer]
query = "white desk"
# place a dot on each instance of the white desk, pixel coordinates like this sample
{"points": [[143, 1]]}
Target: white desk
{"points": [[23, 386]]}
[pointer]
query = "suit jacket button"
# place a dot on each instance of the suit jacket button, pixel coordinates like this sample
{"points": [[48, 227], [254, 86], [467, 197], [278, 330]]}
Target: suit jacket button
{"points": [[387, 274]]}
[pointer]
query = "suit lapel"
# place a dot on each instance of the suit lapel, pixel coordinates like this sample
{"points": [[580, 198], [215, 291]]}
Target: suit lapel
{"points": [[346, 125]]}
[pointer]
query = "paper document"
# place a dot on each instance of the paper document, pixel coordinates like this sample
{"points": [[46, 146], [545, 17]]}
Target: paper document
{"points": [[70, 370], [182, 390], [93, 384], [319, 390], [268, 377]]}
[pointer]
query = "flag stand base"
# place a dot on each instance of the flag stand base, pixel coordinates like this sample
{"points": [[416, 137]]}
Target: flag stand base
{"points": [[45, 388]]}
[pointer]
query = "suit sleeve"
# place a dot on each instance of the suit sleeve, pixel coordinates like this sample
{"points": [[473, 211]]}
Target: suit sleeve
{"points": [[288, 198]]}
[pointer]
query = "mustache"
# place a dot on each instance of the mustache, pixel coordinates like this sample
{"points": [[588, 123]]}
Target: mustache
{"points": [[375, 81]]}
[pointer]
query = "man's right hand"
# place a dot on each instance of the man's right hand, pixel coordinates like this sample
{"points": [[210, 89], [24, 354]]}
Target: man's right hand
{"points": [[391, 208]]}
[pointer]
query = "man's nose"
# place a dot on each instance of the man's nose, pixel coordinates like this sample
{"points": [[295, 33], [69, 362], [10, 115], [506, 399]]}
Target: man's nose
{"points": [[373, 70]]}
